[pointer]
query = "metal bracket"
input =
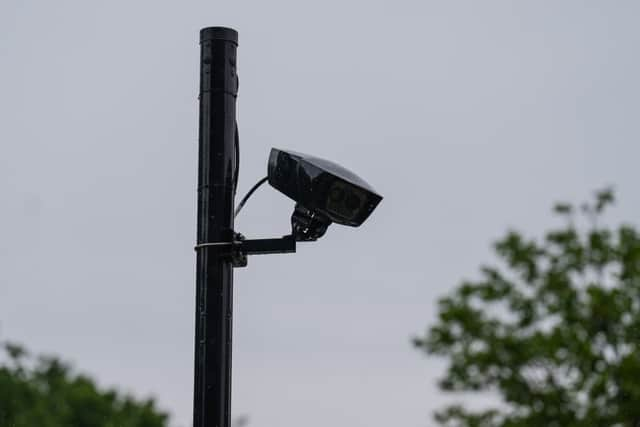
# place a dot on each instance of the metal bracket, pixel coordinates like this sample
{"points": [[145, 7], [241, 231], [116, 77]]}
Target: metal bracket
{"points": [[241, 247], [307, 225]]}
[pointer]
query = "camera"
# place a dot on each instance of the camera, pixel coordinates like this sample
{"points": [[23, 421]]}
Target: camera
{"points": [[324, 192]]}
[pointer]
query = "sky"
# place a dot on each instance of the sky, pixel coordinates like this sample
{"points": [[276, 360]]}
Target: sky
{"points": [[469, 117]]}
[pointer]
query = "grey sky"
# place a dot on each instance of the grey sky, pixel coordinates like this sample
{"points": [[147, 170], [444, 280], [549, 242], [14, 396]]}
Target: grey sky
{"points": [[469, 117]]}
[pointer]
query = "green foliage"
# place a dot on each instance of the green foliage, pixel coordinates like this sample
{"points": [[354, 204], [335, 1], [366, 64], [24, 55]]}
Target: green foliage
{"points": [[554, 332], [47, 393]]}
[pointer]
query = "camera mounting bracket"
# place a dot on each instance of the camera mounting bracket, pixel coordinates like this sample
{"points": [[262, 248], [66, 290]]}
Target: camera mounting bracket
{"points": [[306, 226], [241, 247]]}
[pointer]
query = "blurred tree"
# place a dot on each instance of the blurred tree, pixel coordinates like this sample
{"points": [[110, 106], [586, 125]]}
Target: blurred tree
{"points": [[47, 393], [555, 332]]}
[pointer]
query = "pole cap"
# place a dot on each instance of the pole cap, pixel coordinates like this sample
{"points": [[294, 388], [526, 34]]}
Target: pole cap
{"points": [[219, 33]]}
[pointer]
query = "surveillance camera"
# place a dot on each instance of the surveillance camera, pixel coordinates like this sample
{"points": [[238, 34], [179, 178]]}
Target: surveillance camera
{"points": [[324, 192]]}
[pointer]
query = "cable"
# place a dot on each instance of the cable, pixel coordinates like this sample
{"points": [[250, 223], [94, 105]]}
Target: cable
{"points": [[246, 197], [237, 159], [237, 144]]}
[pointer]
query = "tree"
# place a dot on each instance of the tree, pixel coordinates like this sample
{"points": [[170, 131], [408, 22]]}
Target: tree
{"points": [[47, 393], [554, 331]]}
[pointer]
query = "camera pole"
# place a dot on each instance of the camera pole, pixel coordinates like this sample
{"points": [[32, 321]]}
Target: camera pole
{"points": [[217, 169]]}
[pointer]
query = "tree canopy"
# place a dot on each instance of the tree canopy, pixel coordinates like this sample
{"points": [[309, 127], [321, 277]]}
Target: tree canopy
{"points": [[553, 329], [46, 392]]}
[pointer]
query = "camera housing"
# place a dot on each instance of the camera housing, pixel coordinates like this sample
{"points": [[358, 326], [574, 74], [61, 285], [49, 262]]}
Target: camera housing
{"points": [[324, 192]]}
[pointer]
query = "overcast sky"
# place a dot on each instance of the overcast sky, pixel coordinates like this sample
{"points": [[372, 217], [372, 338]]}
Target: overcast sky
{"points": [[469, 117]]}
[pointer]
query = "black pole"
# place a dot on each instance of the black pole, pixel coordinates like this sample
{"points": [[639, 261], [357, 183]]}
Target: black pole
{"points": [[217, 170]]}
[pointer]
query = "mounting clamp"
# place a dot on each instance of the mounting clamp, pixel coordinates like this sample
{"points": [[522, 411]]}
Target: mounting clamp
{"points": [[241, 247]]}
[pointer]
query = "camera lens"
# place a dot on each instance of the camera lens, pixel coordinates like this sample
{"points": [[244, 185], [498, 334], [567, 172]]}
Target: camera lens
{"points": [[352, 201], [336, 194]]}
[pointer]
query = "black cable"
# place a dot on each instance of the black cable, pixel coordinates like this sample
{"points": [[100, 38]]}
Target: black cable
{"points": [[246, 197], [237, 159], [237, 144]]}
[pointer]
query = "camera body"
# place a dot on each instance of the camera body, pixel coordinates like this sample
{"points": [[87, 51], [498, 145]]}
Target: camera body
{"points": [[324, 191]]}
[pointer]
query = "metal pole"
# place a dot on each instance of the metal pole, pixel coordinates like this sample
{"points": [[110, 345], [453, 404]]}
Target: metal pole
{"points": [[217, 170]]}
